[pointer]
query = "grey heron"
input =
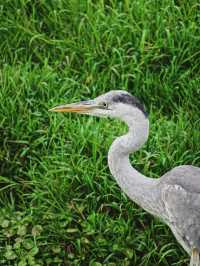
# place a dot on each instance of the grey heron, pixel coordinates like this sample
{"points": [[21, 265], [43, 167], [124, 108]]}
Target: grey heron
{"points": [[175, 196]]}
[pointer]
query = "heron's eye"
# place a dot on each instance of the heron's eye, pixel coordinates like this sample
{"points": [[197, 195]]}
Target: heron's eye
{"points": [[105, 105]]}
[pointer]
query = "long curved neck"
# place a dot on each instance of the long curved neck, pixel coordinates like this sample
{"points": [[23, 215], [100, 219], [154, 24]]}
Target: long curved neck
{"points": [[139, 188]]}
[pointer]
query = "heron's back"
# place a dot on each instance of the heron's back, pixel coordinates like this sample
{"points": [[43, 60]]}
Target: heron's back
{"points": [[180, 190], [187, 176]]}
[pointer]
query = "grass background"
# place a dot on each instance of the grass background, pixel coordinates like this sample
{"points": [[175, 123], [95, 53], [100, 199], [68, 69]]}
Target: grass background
{"points": [[59, 203]]}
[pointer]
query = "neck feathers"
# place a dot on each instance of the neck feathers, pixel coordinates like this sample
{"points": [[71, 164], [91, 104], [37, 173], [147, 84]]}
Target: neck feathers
{"points": [[137, 135], [139, 188], [118, 155]]}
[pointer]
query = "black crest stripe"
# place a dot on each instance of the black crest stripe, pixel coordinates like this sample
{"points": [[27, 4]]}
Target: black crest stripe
{"points": [[129, 99]]}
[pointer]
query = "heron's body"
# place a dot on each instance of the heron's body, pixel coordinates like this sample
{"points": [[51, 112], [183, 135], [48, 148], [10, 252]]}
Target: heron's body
{"points": [[180, 190], [174, 197]]}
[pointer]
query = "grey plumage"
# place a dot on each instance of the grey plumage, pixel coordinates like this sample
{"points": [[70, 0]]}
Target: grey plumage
{"points": [[180, 190], [129, 99], [175, 197]]}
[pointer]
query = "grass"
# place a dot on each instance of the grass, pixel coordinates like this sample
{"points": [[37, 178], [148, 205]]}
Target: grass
{"points": [[59, 203]]}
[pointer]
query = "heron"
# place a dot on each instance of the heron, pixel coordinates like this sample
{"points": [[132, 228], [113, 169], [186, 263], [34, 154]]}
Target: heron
{"points": [[175, 196]]}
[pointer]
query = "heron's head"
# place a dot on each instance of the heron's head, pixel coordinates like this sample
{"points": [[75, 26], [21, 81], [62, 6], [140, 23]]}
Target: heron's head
{"points": [[115, 104]]}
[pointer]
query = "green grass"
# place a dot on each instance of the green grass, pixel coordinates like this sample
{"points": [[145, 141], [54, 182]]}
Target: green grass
{"points": [[59, 203]]}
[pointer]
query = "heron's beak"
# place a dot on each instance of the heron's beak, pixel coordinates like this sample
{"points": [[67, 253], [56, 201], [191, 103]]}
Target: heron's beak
{"points": [[80, 107]]}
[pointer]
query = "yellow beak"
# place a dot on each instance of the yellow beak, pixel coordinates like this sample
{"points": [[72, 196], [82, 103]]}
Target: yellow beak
{"points": [[81, 107]]}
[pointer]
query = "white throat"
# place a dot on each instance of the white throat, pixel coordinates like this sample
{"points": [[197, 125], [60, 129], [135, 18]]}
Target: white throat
{"points": [[138, 187], [126, 144]]}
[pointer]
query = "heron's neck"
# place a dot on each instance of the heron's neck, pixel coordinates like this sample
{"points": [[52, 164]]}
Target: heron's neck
{"points": [[139, 188]]}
